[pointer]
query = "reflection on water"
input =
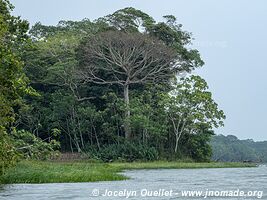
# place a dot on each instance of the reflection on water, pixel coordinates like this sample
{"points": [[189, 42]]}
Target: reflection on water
{"points": [[159, 181], [1, 188]]}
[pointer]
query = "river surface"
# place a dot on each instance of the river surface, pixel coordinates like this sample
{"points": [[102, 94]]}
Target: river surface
{"points": [[169, 184]]}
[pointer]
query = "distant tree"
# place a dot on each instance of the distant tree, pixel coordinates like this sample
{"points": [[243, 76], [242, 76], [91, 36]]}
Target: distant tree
{"points": [[230, 148]]}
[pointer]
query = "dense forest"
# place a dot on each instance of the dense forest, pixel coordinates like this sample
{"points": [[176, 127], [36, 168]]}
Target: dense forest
{"points": [[230, 148], [116, 88]]}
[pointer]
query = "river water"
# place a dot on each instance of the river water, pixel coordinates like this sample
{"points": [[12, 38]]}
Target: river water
{"points": [[164, 184]]}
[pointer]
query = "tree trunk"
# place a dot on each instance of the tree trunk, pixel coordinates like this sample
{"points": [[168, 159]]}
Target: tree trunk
{"points": [[176, 145], [127, 127]]}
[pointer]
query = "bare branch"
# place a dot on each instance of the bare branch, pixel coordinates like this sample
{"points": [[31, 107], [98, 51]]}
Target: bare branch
{"points": [[125, 58]]}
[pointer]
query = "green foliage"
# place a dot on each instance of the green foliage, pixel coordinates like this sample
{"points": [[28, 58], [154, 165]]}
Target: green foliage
{"points": [[96, 114], [125, 151], [148, 119], [77, 29], [13, 82], [8, 153], [192, 100], [31, 147], [71, 172], [189, 106], [128, 20], [171, 33], [230, 148], [197, 146], [62, 172]]}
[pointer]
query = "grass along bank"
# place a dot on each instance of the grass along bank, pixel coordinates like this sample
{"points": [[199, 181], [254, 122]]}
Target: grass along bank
{"points": [[66, 172]]}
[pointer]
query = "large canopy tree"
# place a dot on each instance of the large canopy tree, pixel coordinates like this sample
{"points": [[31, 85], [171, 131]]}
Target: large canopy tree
{"points": [[124, 59], [135, 50]]}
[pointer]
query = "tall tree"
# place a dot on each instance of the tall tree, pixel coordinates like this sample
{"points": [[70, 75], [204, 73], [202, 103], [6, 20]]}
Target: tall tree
{"points": [[13, 82], [125, 59], [190, 106], [137, 51]]}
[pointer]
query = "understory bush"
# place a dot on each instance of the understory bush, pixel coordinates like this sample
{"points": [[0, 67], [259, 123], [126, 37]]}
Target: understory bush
{"points": [[8, 155], [31, 147], [123, 152]]}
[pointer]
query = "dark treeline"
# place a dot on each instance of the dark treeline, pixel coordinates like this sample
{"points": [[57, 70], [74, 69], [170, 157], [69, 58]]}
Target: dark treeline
{"points": [[116, 88], [230, 148]]}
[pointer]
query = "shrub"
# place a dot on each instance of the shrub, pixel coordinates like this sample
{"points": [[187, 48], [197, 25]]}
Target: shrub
{"points": [[123, 152], [8, 155], [30, 146]]}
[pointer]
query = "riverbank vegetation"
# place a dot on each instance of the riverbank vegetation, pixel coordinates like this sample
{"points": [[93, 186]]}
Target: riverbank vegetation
{"points": [[117, 88], [84, 171]]}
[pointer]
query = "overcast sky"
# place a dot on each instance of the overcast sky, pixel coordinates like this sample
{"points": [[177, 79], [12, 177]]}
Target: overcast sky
{"points": [[230, 35]]}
